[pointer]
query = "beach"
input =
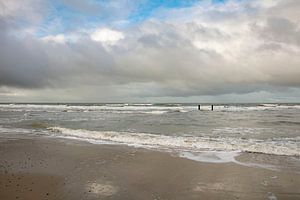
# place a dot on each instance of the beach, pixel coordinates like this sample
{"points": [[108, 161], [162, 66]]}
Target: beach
{"points": [[149, 151], [45, 168], [149, 100]]}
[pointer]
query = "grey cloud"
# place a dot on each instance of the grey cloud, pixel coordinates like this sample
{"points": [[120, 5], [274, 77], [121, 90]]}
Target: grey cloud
{"points": [[161, 58], [281, 30], [30, 12], [21, 65], [83, 6]]}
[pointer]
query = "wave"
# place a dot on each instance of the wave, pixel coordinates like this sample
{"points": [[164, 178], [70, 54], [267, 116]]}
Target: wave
{"points": [[106, 108], [268, 105], [183, 143], [140, 108], [229, 108], [287, 122]]}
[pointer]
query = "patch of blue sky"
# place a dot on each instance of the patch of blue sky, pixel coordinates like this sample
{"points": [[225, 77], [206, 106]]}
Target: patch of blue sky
{"points": [[148, 8], [63, 18]]}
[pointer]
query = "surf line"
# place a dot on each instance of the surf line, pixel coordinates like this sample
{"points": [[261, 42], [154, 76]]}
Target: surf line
{"points": [[212, 107]]}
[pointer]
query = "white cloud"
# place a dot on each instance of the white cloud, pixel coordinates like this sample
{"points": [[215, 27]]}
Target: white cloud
{"points": [[209, 49], [107, 36]]}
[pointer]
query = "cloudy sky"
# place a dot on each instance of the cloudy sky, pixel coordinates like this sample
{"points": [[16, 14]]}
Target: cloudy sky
{"points": [[149, 51]]}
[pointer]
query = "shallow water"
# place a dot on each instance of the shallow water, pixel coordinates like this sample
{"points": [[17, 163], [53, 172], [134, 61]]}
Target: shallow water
{"points": [[261, 128]]}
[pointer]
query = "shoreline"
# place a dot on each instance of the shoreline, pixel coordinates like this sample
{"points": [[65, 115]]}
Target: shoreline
{"points": [[47, 168]]}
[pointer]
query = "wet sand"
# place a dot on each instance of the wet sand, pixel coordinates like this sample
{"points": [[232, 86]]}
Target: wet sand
{"points": [[41, 168]]}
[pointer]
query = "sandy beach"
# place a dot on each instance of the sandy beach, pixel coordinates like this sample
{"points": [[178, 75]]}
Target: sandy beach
{"points": [[41, 168], [149, 100]]}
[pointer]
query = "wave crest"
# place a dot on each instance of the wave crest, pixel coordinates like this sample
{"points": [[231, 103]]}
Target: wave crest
{"points": [[183, 143]]}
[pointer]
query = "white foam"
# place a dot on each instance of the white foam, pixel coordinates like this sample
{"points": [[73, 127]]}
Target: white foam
{"points": [[158, 112], [139, 108], [239, 131], [243, 108], [211, 156], [107, 108], [184, 143]]}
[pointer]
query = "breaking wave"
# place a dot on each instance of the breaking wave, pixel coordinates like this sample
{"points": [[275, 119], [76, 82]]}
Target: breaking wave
{"points": [[276, 146], [139, 108]]}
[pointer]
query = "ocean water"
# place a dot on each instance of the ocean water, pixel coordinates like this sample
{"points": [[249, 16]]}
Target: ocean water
{"points": [[231, 128]]}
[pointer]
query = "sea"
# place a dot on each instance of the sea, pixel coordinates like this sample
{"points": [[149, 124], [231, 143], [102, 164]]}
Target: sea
{"points": [[218, 135]]}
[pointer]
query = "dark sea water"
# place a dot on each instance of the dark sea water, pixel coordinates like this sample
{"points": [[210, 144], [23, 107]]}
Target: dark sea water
{"points": [[261, 128]]}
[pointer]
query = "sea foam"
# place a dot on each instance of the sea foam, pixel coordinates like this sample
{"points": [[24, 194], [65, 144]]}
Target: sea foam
{"points": [[274, 146], [140, 108]]}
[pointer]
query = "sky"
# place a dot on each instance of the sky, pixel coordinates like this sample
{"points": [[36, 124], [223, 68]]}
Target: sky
{"points": [[219, 51]]}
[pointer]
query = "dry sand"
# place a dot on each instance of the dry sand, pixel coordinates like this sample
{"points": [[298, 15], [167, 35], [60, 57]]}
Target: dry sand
{"points": [[69, 170]]}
